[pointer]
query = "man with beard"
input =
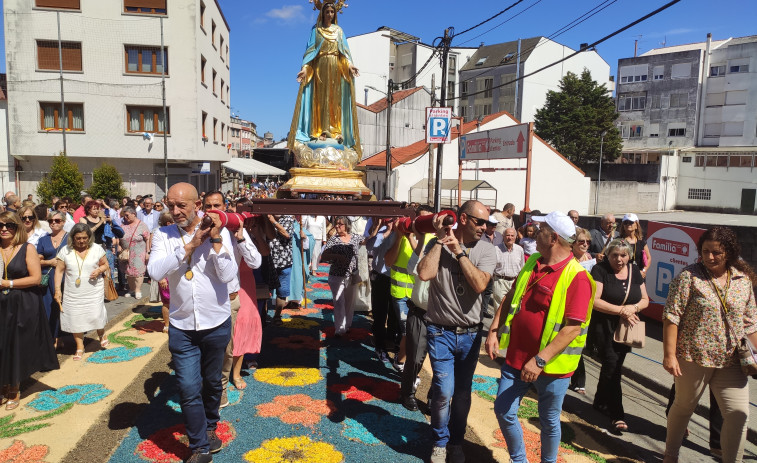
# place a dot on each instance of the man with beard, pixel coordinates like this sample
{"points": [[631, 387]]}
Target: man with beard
{"points": [[198, 265]]}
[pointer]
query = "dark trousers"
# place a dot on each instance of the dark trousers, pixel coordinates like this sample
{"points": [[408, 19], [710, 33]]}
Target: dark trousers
{"points": [[198, 360], [385, 326], [579, 376], [415, 346], [716, 418], [609, 394]]}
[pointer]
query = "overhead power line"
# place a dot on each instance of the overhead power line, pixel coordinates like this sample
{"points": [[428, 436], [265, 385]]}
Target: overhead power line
{"points": [[589, 46], [503, 22], [491, 18]]}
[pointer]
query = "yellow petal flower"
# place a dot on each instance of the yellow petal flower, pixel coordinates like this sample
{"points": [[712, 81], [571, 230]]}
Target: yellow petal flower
{"points": [[288, 376], [298, 449]]}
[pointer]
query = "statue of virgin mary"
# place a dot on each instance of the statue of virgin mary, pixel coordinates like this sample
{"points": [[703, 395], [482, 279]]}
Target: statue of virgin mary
{"points": [[324, 131]]}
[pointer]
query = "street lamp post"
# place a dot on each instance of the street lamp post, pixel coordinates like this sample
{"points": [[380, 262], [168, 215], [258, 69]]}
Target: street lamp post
{"points": [[599, 176]]}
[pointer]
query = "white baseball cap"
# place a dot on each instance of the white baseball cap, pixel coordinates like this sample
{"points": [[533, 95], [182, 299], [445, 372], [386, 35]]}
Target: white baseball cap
{"points": [[493, 220], [560, 223], [630, 217]]}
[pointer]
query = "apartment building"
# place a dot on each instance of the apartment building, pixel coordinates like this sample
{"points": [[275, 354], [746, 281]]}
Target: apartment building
{"points": [[487, 80], [241, 134], [110, 81]]}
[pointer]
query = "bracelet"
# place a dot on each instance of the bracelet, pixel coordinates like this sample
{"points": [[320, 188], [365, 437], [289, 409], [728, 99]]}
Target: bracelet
{"points": [[636, 306], [10, 282]]}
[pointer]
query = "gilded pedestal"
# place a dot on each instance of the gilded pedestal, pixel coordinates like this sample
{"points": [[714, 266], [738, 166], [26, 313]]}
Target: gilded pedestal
{"points": [[324, 181]]}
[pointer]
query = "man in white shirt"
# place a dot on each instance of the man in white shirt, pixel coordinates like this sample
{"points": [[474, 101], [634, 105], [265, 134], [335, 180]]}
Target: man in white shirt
{"points": [[316, 225], [510, 259], [199, 268], [240, 249], [148, 215]]}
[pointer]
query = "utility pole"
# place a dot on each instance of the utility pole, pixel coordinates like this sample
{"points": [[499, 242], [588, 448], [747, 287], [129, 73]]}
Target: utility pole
{"points": [[430, 190], [63, 116], [165, 112], [388, 186], [442, 102]]}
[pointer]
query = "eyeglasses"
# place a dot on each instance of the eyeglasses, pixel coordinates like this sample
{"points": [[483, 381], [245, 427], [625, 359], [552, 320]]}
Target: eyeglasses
{"points": [[10, 226], [477, 221], [628, 222], [28, 218], [583, 241], [56, 221]]}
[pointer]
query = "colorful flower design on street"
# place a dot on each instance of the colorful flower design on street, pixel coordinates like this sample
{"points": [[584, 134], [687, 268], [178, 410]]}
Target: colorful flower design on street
{"points": [[301, 311], [365, 388], [320, 307], [300, 449], [532, 441], [171, 445], [297, 341], [375, 429], [323, 286], [288, 376], [299, 323], [233, 395], [18, 452], [118, 354], [85, 394], [297, 409], [348, 354], [485, 386], [355, 334]]}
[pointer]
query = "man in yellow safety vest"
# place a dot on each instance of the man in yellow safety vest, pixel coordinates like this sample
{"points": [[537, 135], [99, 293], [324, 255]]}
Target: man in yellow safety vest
{"points": [[546, 317]]}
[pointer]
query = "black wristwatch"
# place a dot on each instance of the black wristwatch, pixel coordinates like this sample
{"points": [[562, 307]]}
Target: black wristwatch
{"points": [[540, 362], [216, 240], [462, 254], [241, 240]]}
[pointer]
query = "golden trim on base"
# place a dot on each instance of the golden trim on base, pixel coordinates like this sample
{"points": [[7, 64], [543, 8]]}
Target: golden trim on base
{"points": [[324, 181]]}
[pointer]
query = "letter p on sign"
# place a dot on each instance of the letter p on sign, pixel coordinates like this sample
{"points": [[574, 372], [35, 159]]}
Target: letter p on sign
{"points": [[439, 127]]}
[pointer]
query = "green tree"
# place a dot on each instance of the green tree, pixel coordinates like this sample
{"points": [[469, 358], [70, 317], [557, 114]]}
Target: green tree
{"points": [[64, 179], [574, 118], [106, 182]]}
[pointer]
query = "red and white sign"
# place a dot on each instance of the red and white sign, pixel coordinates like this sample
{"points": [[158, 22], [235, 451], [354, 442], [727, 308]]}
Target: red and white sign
{"points": [[672, 247], [438, 125], [504, 143]]}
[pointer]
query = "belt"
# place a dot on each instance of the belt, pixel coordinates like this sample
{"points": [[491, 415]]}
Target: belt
{"points": [[233, 296], [459, 329], [504, 278]]}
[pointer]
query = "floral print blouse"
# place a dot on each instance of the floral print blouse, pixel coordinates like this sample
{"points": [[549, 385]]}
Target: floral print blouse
{"points": [[693, 305], [343, 256]]}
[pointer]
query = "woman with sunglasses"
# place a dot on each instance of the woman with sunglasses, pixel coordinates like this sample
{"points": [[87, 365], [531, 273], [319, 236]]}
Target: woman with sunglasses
{"points": [[26, 345], [341, 251], [582, 255], [31, 225], [48, 247], [630, 232], [82, 264]]}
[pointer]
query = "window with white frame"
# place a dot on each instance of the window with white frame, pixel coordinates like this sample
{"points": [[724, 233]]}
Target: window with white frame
{"points": [[658, 72], [632, 101], [715, 99], [632, 129], [704, 194], [738, 65], [634, 73], [677, 132], [681, 71], [717, 70]]}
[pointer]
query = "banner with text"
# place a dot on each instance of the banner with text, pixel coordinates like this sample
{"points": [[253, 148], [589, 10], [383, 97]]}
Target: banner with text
{"points": [[673, 247], [504, 143]]}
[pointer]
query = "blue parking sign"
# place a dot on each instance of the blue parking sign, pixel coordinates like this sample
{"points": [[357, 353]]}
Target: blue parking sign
{"points": [[438, 125]]}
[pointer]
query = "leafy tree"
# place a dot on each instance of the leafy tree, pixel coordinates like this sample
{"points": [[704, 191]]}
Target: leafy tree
{"points": [[106, 182], [64, 179], [573, 119]]}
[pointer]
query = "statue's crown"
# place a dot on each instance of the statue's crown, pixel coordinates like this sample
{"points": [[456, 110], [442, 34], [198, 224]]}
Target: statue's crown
{"points": [[338, 4]]}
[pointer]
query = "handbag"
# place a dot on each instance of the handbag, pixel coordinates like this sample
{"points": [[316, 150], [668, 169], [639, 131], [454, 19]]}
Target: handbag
{"points": [[625, 333], [124, 254], [46, 278], [745, 349], [110, 287]]}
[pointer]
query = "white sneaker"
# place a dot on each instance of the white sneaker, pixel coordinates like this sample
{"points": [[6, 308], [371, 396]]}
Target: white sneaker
{"points": [[456, 454], [439, 455], [127, 295], [137, 295], [399, 366]]}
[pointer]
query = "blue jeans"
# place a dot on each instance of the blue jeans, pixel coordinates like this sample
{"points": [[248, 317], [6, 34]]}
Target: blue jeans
{"points": [[198, 359], [284, 274], [400, 310], [551, 393], [453, 361]]}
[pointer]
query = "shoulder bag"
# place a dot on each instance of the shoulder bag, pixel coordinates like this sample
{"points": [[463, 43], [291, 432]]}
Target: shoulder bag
{"points": [[110, 288], [632, 336], [747, 354], [124, 254]]}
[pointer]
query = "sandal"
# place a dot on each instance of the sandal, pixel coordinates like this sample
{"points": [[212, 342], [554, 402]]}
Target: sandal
{"points": [[580, 390], [14, 402], [620, 425], [239, 383], [104, 343], [78, 355]]}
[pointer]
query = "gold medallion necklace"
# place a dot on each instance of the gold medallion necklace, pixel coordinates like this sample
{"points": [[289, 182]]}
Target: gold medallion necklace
{"points": [[76, 255], [188, 274]]}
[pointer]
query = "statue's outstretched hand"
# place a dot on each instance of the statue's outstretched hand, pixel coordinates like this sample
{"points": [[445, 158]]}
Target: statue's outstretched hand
{"points": [[301, 75], [354, 71]]}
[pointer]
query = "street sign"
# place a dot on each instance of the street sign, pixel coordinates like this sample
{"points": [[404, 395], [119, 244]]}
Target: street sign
{"points": [[504, 143], [438, 125], [200, 167]]}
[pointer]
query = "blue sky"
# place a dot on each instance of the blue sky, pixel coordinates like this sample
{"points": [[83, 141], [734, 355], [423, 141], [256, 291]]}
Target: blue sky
{"points": [[268, 37]]}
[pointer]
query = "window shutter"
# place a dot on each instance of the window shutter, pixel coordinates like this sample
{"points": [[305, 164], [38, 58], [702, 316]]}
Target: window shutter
{"points": [[47, 55], [62, 4], [71, 56], [158, 4]]}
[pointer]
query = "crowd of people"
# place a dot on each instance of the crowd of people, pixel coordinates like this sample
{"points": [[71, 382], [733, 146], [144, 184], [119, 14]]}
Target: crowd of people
{"points": [[543, 288]]}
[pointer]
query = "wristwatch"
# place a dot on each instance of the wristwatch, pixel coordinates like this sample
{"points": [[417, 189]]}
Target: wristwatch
{"points": [[540, 362], [241, 240], [216, 240], [462, 254]]}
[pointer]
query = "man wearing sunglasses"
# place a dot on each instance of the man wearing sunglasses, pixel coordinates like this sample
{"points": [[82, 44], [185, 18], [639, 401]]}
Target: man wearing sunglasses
{"points": [[62, 206], [459, 265]]}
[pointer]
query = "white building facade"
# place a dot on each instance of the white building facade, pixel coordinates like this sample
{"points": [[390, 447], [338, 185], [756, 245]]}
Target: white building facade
{"points": [[111, 84]]}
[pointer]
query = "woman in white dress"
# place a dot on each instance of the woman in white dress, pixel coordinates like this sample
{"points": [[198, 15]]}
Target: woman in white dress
{"points": [[82, 306]]}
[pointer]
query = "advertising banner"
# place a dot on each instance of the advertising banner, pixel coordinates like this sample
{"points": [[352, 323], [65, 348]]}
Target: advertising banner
{"points": [[503, 143], [672, 247]]}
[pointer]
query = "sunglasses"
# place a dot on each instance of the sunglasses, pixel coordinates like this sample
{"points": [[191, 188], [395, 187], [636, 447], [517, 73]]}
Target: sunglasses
{"points": [[56, 221], [28, 218], [477, 221], [583, 241], [12, 227]]}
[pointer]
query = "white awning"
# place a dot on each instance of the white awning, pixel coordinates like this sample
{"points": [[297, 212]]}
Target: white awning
{"points": [[251, 167]]}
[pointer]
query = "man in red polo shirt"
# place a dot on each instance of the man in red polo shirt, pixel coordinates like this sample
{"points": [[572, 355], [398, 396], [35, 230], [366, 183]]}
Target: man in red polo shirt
{"points": [[547, 312]]}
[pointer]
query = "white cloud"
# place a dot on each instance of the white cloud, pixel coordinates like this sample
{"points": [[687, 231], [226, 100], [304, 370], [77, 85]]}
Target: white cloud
{"points": [[287, 13]]}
